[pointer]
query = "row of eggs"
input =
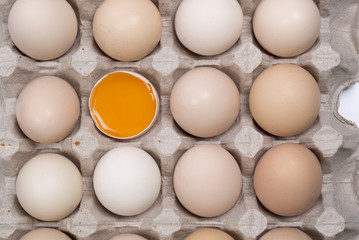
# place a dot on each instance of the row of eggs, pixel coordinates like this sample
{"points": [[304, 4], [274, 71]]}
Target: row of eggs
{"points": [[129, 30], [201, 234], [207, 181], [284, 100]]}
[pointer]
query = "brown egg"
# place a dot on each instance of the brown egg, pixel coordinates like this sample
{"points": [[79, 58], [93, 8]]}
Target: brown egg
{"points": [[127, 30], [207, 180], [288, 179], [284, 100], [209, 234], [285, 234], [45, 234]]}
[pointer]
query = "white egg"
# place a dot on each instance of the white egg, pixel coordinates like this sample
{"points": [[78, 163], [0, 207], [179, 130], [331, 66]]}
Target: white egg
{"points": [[49, 187], [42, 29], [209, 27], [127, 181]]}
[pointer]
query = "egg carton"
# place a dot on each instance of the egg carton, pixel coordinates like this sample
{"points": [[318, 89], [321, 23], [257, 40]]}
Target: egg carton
{"points": [[333, 61]]}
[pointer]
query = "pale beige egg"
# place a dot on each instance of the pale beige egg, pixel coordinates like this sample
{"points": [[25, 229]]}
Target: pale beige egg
{"points": [[45, 234], [49, 187], [47, 109], [207, 180], [42, 29], [205, 102], [286, 28], [127, 30]]}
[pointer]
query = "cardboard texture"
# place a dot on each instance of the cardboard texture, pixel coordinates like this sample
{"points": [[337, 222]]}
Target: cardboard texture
{"points": [[333, 61]]}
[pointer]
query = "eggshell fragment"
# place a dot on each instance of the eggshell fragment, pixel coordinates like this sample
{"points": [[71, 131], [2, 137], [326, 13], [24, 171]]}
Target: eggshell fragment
{"points": [[124, 105]]}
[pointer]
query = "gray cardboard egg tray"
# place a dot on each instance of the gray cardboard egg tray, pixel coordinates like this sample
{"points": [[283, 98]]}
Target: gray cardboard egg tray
{"points": [[333, 61]]}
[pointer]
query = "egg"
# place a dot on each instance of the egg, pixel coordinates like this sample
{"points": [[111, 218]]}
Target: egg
{"points": [[45, 234], [47, 109], [286, 28], [208, 27], [127, 30], [208, 234], [284, 100], [288, 179], [124, 105], [285, 233], [49, 187], [127, 236], [127, 180], [42, 29], [205, 102], [207, 180]]}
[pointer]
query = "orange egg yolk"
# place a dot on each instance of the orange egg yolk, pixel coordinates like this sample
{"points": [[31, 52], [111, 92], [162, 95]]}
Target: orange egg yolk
{"points": [[122, 105]]}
